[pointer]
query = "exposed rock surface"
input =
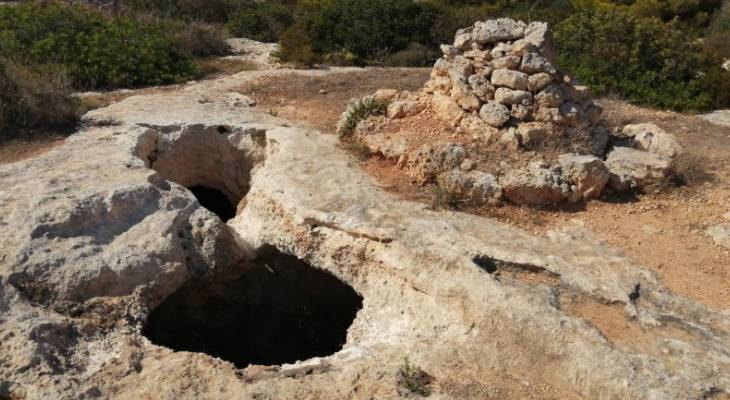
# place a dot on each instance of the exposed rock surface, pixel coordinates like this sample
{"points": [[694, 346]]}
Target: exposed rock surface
{"points": [[256, 53], [718, 117], [96, 233]]}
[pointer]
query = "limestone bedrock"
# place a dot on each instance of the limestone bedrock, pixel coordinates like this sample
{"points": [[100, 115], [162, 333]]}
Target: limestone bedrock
{"points": [[98, 232]]}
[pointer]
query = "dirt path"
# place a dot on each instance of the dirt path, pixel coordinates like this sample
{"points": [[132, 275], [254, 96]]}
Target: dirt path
{"points": [[665, 232], [319, 100]]}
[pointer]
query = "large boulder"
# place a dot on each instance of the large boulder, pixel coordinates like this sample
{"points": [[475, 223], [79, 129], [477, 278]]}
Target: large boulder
{"points": [[636, 169], [537, 184], [539, 81], [463, 38], [463, 95], [649, 137], [497, 30], [586, 175], [385, 145], [472, 187], [428, 161]]}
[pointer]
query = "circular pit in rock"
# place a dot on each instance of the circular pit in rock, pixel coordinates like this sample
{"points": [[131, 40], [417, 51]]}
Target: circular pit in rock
{"points": [[278, 310]]}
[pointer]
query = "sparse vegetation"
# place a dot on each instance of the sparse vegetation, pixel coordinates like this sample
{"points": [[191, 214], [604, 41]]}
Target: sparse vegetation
{"points": [[413, 380], [357, 149], [198, 39], [34, 97], [358, 111], [690, 170], [215, 66], [444, 200], [415, 55]]}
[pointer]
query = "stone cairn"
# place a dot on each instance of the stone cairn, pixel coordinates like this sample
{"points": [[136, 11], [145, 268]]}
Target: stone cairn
{"points": [[503, 71], [498, 81]]}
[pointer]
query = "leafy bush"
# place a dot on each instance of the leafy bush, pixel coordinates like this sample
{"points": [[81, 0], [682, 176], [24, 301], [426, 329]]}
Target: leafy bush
{"points": [[367, 29], [415, 55], [199, 39], [31, 98], [97, 52], [211, 11], [262, 21], [642, 59], [667, 10], [295, 46]]}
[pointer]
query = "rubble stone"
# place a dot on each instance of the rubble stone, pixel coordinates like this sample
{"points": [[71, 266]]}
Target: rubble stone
{"points": [[495, 113]]}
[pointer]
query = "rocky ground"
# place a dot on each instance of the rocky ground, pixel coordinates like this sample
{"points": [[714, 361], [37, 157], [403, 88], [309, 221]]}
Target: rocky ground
{"points": [[678, 249], [100, 234]]}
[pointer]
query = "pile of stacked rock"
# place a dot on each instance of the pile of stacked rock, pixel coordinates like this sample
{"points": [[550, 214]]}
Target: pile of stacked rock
{"points": [[502, 71], [498, 83]]}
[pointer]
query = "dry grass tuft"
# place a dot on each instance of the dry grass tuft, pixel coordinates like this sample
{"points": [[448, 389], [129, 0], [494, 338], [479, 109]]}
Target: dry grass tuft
{"points": [[35, 97]]}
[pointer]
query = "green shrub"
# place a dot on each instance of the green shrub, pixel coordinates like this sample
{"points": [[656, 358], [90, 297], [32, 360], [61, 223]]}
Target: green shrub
{"points": [[262, 21], [211, 11], [451, 18], [295, 46], [199, 39], [415, 55], [96, 51], [370, 28], [641, 59], [32, 98]]}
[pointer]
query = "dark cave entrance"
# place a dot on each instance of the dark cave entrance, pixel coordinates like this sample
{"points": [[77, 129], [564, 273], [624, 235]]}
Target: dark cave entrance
{"points": [[214, 200], [279, 310]]}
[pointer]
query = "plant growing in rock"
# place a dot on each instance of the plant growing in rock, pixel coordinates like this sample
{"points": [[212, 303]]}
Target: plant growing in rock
{"points": [[360, 110], [412, 379], [442, 199]]}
